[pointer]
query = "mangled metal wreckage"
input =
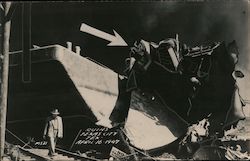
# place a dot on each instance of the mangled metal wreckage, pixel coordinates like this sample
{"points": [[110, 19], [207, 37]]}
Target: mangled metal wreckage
{"points": [[166, 87]]}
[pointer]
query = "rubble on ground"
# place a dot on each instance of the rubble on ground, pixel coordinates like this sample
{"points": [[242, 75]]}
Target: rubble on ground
{"points": [[240, 132], [237, 154], [166, 156]]}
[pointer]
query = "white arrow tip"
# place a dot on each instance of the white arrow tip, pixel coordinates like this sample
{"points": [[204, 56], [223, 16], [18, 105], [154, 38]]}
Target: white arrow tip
{"points": [[117, 41]]}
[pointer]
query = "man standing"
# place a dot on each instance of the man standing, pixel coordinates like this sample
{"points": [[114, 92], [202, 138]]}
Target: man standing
{"points": [[53, 130]]}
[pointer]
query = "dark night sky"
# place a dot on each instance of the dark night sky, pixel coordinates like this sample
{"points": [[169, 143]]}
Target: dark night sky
{"points": [[195, 22]]}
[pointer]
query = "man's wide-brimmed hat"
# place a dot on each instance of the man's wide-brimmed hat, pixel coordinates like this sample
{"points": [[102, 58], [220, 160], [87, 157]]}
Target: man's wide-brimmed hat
{"points": [[55, 112]]}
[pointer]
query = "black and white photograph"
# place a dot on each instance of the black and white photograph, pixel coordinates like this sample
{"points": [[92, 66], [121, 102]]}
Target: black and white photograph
{"points": [[125, 80]]}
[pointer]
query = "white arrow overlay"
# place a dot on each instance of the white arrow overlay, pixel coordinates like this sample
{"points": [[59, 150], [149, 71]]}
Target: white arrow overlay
{"points": [[115, 40]]}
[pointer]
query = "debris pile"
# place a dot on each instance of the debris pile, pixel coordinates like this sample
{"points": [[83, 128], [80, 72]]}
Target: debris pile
{"points": [[197, 132], [166, 156], [236, 141], [240, 132], [236, 154]]}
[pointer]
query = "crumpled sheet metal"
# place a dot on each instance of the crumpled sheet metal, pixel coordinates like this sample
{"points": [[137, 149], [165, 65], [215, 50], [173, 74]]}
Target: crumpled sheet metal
{"points": [[150, 124]]}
